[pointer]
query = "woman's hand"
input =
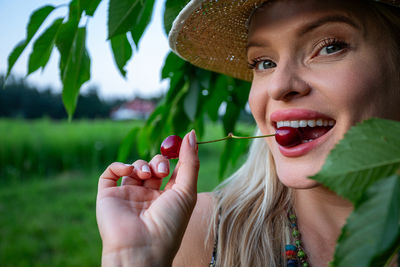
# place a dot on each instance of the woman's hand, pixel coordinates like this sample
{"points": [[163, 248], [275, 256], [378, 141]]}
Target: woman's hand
{"points": [[139, 224]]}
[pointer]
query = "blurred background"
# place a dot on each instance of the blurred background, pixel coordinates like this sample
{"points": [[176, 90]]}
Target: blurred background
{"points": [[49, 167]]}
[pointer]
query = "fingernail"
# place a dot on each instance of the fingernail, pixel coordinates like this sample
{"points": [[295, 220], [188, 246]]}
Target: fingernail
{"points": [[192, 138], [128, 165], [145, 168], [162, 167]]}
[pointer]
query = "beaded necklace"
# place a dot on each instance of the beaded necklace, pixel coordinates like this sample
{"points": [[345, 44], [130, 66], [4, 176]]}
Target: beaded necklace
{"points": [[295, 254]]}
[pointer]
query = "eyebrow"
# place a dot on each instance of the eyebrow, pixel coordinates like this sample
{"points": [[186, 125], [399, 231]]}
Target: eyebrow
{"points": [[309, 27], [327, 19]]}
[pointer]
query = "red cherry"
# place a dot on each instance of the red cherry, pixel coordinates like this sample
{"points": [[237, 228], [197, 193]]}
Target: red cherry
{"points": [[170, 147], [288, 136]]}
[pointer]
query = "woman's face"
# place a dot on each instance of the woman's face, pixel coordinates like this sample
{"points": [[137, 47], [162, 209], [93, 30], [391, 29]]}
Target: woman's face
{"points": [[317, 62]]}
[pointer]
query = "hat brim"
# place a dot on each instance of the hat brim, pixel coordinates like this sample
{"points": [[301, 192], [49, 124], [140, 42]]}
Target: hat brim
{"points": [[212, 34]]}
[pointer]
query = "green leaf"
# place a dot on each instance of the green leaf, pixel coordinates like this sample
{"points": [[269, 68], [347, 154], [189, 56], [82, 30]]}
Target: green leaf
{"points": [[218, 94], [152, 132], [172, 64], [177, 117], [199, 125], [204, 77], [241, 90], [191, 99], [75, 11], [14, 55], [177, 82], [171, 11], [36, 20], [241, 147], [199, 81], [143, 143], [159, 110], [125, 15], [43, 47], [144, 12], [224, 158], [64, 43], [180, 121], [369, 151], [126, 147], [371, 233], [90, 6], [77, 71], [169, 117], [231, 117], [122, 51], [67, 35], [233, 150]]}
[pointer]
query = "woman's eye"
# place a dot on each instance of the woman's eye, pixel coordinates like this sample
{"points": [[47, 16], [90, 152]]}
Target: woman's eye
{"points": [[265, 64], [332, 48]]}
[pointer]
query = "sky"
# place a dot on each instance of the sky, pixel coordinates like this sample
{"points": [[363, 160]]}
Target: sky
{"points": [[143, 70]]}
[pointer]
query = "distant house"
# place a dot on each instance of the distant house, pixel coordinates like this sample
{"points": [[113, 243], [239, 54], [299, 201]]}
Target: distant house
{"points": [[138, 108]]}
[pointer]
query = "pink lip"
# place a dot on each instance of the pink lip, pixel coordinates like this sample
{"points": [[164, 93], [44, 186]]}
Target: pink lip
{"points": [[302, 149], [299, 114]]}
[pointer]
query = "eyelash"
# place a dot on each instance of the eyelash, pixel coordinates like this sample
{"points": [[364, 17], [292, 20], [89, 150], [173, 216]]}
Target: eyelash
{"points": [[330, 41], [322, 44], [254, 62]]}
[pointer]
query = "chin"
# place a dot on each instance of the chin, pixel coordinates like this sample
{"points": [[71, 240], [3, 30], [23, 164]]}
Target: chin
{"points": [[296, 177], [294, 172]]}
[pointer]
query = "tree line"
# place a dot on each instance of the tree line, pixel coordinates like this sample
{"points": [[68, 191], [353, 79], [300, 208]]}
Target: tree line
{"points": [[19, 99]]}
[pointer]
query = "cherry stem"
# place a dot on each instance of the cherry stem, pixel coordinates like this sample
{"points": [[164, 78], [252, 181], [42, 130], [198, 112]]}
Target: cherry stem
{"points": [[231, 136]]}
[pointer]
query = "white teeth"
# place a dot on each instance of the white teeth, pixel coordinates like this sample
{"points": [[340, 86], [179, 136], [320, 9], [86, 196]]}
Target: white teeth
{"points": [[305, 123], [294, 124]]}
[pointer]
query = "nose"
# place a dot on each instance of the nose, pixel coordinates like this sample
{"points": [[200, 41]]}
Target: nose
{"points": [[285, 83]]}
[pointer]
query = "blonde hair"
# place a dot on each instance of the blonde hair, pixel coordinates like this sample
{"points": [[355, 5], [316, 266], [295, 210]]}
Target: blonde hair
{"points": [[251, 210], [250, 215]]}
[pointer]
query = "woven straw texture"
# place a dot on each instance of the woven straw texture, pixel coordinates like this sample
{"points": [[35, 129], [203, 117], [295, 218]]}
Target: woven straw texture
{"points": [[212, 34]]}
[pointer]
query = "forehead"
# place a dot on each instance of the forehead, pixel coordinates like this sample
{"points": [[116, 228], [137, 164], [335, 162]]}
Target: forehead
{"points": [[294, 13]]}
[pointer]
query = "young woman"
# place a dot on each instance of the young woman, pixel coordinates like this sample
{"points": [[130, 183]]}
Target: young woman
{"points": [[327, 63]]}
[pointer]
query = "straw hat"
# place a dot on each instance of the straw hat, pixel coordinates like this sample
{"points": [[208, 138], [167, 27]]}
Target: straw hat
{"points": [[212, 34]]}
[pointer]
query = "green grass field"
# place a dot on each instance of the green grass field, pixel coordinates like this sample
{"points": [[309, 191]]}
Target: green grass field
{"points": [[47, 147], [48, 184]]}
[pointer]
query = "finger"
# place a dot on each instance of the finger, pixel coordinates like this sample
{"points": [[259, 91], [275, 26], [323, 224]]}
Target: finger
{"points": [[128, 180], [141, 170], [159, 166], [153, 183], [186, 176], [112, 174]]}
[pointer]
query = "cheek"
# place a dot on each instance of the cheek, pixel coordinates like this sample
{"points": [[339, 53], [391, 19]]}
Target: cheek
{"points": [[258, 103], [355, 88], [362, 92], [352, 91], [252, 101]]}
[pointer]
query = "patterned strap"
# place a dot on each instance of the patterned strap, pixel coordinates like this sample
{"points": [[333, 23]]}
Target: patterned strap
{"points": [[398, 258], [213, 262]]}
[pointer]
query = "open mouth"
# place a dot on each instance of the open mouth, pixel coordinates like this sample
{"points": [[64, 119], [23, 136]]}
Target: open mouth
{"points": [[309, 129]]}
